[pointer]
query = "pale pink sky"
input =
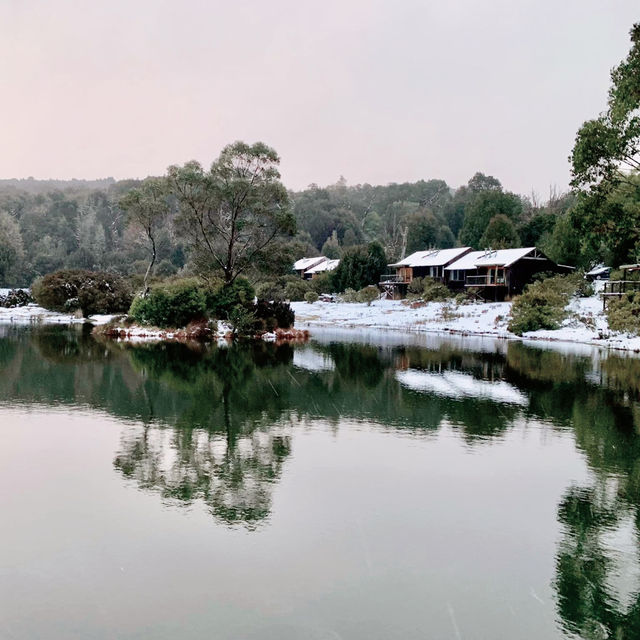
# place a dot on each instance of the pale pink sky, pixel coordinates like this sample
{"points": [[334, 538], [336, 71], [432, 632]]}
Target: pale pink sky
{"points": [[376, 90]]}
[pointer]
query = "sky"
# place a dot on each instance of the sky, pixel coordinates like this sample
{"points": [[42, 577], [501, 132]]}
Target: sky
{"points": [[376, 91]]}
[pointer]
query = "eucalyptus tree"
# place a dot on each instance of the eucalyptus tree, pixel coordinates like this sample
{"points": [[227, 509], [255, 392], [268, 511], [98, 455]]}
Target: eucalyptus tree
{"points": [[231, 214], [148, 208]]}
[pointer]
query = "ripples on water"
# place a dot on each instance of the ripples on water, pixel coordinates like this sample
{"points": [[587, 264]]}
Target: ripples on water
{"points": [[369, 489]]}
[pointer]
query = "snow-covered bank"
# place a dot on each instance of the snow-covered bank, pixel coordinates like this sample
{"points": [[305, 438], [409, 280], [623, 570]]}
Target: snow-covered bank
{"points": [[585, 324], [32, 313]]}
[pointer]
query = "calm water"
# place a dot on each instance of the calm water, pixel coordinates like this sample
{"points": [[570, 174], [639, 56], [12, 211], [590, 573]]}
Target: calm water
{"points": [[335, 490]]}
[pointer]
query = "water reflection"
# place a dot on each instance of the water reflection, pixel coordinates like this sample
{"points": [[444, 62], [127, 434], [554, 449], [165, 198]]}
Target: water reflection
{"points": [[215, 425]]}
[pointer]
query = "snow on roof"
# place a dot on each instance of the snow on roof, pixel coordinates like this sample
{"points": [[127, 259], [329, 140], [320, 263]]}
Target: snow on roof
{"points": [[468, 261], [453, 384], [326, 265], [431, 257], [497, 257], [596, 271], [306, 263]]}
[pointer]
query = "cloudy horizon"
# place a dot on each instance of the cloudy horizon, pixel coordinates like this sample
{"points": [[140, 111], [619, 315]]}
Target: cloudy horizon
{"points": [[374, 91]]}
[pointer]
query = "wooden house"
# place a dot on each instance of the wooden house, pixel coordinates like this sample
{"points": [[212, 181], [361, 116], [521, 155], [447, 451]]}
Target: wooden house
{"points": [[322, 267], [430, 263], [501, 273], [304, 264]]}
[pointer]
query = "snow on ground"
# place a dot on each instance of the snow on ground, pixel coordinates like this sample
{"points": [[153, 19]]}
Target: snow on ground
{"points": [[586, 322], [32, 313]]}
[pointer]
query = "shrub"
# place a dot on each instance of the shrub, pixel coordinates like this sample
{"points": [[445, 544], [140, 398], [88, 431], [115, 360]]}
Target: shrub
{"points": [[623, 313], [170, 305], [429, 290], [15, 298], [434, 291], [242, 320], [90, 291], [311, 296], [542, 305], [270, 291], [294, 290], [368, 294], [273, 315], [321, 283], [349, 295], [222, 300]]}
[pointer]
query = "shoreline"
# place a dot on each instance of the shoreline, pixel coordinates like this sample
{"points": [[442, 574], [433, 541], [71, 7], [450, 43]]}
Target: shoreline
{"points": [[586, 324]]}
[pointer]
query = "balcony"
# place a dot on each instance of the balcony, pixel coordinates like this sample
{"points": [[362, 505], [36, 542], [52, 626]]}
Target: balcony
{"points": [[393, 278], [488, 280]]}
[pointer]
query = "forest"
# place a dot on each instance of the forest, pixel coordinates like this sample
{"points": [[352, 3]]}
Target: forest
{"points": [[189, 222]]}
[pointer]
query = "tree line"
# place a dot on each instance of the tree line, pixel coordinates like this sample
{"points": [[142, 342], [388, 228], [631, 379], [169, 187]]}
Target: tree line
{"points": [[237, 218]]}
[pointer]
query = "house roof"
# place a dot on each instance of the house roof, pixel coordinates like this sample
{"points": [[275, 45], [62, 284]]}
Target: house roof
{"points": [[497, 257], [325, 265], [306, 263], [596, 271], [431, 257]]}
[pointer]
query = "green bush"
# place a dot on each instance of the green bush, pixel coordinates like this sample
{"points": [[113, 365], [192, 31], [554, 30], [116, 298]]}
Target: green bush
{"points": [[349, 295], [242, 321], [311, 296], [90, 291], [273, 315], [321, 283], [623, 314], [170, 305], [429, 290], [294, 290], [542, 305], [222, 300], [368, 294], [270, 291]]}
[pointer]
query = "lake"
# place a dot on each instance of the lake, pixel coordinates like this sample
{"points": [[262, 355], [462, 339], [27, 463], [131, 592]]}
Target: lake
{"points": [[360, 486]]}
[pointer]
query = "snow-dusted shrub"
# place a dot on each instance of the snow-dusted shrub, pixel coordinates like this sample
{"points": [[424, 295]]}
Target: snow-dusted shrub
{"points": [[311, 297], [349, 295], [541, 306], [623, 314], [222, 300], [15, 298], [90, 291], [368, 294]]}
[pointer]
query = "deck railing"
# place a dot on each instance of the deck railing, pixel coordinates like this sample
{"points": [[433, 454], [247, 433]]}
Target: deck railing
{"points": [[393, 278], [488, 280], [617, 288]]}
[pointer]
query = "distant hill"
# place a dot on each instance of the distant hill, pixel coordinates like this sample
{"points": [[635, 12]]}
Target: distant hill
{"points": [[31, 185]]}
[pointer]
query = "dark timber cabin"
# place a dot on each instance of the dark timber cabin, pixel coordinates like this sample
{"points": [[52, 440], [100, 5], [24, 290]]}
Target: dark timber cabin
{"points": [[430, 263], [499, 274]]}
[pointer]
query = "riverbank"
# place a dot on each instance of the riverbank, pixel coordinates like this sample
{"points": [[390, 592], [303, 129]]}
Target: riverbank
{"points": [[585, 324]]}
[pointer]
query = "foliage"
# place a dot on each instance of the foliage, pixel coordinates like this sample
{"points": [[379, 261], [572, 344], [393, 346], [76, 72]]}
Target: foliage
{"points": [[11, 248], [359, 267], [311, 297], [147, 208], [222, 300], [542, 304], [623, 314], [349, 295], [296, 289], [15, 298], [368, 294], [242, 321], [429, 290], [90, 291], [234, 211], [321, 283], [605, 162], [273, 315], [486, 205], [331, 248], [170, 305], [500, 233]]}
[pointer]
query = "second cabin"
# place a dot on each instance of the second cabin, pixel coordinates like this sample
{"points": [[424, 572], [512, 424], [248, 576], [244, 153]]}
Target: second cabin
{"points": [[491, 274]]}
